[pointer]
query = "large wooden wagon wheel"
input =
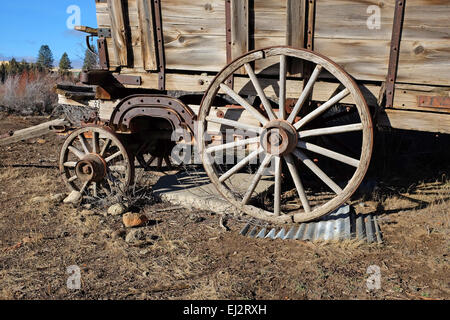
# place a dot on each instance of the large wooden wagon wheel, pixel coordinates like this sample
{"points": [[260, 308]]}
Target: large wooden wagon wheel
{"points": [[94, 162], [287, 141]]}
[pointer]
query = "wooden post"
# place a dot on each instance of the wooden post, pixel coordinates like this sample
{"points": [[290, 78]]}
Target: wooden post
{"points": [[295, 30], [146, 25], [118, 31], [239, 28]]}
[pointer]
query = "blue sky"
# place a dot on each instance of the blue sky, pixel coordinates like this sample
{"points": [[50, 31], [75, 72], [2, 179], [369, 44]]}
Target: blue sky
{"points": [[25, 25]]}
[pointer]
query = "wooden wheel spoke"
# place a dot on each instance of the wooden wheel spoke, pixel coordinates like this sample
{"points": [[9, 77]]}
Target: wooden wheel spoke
{"points": [[244, 103], [70, 164], [95, 142], [105, 147], [168, 162], [328, 153], [277, 191], [318, 172], [95, 189], [260, 91], [72, 179], [305, 94], [233, 145], [241, 165], [84, 143], [298, 183], [84, 187], [235, 124], [282, 95], [79, 154], [327, 105], [330, 130], [256, 179], [114, 156]]}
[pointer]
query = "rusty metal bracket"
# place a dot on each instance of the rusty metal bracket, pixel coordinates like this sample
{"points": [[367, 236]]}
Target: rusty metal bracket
{"points": [[127, 79], [104, 32], [435, 102], [397, 28], [230, 81], [160, 41], [103, 53], [175, 111], [311, 9]]}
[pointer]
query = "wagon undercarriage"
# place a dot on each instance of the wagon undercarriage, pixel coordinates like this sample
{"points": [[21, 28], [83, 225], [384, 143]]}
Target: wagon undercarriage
{"points": [[284, 133]]}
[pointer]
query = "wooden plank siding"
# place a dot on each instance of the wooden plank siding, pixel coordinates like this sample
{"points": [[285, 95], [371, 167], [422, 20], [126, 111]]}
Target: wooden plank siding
{"points": [[342, 34], [195, 42]]}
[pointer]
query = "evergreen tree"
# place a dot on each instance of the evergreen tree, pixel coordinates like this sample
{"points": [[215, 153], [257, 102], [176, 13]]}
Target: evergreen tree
{"points": [[65, 64], [2, 73], [13, 67], [45, 57], [90, 60]]}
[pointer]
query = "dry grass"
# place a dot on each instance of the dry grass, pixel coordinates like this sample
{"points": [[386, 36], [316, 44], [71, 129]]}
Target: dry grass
{"points": [[182, 258]]}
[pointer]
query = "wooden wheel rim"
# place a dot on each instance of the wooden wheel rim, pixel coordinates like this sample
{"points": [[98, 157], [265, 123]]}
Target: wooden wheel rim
{"points": [[113, 141], [339, 74]]}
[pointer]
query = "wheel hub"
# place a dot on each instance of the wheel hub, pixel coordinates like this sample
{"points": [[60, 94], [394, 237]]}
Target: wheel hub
{"points": [[91, 168], [279, 138]]}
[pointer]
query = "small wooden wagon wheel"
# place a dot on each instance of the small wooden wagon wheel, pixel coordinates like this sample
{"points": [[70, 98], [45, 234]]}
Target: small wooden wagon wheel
{"points": [[285, 139], [94, 162]]}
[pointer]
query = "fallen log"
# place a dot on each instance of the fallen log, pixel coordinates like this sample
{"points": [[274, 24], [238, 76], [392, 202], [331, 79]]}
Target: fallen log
{"points": [[33, 132]]}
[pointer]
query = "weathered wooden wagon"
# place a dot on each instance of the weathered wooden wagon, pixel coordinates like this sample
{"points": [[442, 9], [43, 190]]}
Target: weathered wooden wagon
{"points": [[299, 83]]}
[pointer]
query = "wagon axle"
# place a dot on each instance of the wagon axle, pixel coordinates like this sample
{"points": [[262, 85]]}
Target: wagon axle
{"points": [[279, 138], [92, 168]]}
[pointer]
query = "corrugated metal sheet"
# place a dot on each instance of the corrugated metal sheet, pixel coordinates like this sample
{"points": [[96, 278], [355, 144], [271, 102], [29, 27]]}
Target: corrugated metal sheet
{"points": [[339, 225]]}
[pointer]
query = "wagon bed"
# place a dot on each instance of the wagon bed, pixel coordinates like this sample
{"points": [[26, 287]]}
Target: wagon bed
{"points": [[331, 67]]}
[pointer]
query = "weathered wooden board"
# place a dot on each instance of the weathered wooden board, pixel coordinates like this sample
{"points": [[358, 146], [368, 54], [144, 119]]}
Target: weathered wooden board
{"points": [[346, 33], [33, 132], [194, 35], [118, 30], [411, 120]]}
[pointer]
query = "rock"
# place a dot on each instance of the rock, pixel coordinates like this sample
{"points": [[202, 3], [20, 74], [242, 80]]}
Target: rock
{"points": [[74, 197], [132, 220], [117, 209], [87, 206], [135, 235], [59, 197], [39, 199]]}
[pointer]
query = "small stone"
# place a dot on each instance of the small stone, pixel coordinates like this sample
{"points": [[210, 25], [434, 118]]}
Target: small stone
{"points": [[117, 209], [74, 197], [135, 235], [87, 206], [146, 273], [41, 141], [59, 197], [39, 199], [132, 220]]}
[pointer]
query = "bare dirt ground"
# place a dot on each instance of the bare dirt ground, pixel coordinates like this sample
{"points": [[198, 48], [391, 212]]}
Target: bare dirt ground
{"points": [[187, 255]]}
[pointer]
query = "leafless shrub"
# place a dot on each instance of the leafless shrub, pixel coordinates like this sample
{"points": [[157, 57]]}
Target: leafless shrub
{"points": [[29, 93]]}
